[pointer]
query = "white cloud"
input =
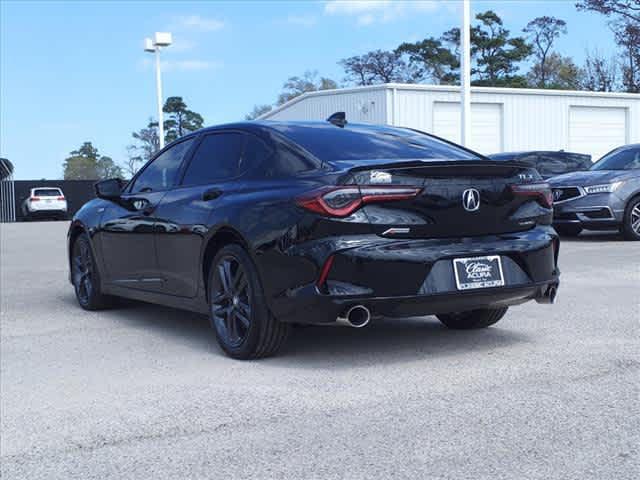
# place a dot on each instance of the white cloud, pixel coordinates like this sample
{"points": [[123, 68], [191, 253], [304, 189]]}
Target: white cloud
{"points": [[302, 20], [199, 23], [369, 12]]}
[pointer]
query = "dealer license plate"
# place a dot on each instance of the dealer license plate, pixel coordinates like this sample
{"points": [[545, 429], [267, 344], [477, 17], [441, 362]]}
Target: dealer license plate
{"points": [[478, 272]]}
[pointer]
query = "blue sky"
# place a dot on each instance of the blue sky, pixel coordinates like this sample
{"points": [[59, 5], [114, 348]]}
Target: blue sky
{"points": [[75, 71]]}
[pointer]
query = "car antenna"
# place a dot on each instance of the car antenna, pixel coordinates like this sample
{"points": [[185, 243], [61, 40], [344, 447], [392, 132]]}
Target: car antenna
{"points": [[339, 119]]}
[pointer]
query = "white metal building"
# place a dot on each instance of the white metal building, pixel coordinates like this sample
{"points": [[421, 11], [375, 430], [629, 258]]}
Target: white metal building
{"points": [[502, 119]]}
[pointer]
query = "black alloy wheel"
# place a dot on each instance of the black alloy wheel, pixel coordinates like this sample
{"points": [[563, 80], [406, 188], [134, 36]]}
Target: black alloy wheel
{"points": [[85, 276], [231, 301], [244, 326], [82, 271]]}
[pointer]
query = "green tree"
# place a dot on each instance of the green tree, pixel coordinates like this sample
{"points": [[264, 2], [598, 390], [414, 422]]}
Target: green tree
{"points": [[628, 38], [308, 82], [431, 61], [181, 120], [560, 73], [628, 9], [495, 53], [377, 66], [357, 70], [257, 111], [146, 144], [625, 23], [543, 31], [86, 163], [599, 73]]}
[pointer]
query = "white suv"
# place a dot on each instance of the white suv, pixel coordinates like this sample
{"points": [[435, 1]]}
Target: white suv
{"points": [[45, 202]]}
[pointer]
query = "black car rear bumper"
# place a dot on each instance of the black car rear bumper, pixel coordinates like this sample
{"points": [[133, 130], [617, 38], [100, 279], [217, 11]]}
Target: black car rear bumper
{"points": [[415, 277], [317, 309]]}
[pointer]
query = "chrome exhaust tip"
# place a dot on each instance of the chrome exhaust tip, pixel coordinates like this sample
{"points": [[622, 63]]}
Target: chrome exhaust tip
{"points": [[357, 316], [551, 293], [549, 296]]}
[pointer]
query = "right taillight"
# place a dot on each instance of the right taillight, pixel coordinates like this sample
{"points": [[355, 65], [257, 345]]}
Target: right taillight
{"points": [[343, 201], [540, 191]]}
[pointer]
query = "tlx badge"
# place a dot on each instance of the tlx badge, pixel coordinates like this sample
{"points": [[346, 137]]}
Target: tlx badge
{"points": [[471, 199]]}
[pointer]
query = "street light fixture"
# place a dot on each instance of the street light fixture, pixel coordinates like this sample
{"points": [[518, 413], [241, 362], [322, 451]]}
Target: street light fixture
{"points": [[160, 40]]}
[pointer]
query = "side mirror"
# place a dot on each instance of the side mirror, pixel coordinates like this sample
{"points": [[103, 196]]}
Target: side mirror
{"points": [[110, 189]]}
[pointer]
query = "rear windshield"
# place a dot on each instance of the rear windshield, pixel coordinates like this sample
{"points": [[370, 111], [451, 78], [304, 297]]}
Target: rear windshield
{"points": [[47, 192], [359, 142], [550, 164], [502, 156]]}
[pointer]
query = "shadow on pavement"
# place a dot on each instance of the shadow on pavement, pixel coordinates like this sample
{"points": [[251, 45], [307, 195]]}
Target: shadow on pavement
{"points": [[382, 341], [388, 340]]}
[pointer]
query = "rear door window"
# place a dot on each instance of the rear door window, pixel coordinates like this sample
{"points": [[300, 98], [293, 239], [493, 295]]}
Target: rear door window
{"points": [[218, 158]]}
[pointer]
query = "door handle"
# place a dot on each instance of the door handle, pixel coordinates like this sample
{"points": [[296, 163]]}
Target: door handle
{"points": [[211, 194]]}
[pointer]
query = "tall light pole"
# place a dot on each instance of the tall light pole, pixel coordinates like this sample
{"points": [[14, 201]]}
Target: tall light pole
{"points": [[465, 74], [160, 39]]}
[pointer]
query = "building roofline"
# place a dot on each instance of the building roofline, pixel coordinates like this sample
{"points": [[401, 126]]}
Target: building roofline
{"points": [[453, 89]]}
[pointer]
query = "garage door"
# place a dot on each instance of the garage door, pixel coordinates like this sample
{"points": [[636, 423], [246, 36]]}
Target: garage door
{"points": [[596, 130], [486, 125]]}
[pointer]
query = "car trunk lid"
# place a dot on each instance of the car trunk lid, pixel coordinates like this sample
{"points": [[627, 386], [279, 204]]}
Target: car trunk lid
{"points": [[452, 199]]}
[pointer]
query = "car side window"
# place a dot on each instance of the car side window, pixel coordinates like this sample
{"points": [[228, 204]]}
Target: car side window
{"points": [[161, 173], [217, 158], [256, 152]]}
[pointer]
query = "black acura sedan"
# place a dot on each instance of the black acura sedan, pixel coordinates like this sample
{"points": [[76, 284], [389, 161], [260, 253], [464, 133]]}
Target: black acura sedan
{"points": [[262, 225]]}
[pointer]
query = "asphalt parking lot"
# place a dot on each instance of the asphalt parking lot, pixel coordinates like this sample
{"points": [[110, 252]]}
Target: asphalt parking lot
{"points": [[551, 392]]}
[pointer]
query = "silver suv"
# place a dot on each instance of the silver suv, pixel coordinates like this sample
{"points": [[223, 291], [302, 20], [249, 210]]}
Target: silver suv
{"points": [[604, 197]]}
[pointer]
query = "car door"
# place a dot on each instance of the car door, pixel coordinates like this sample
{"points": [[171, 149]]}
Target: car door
{"points": [[211, 180], [126, 232]]}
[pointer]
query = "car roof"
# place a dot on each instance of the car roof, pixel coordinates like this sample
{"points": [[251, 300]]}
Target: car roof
{"points": [[267, 127], [530, 152], [280, 126], [628, 147]]}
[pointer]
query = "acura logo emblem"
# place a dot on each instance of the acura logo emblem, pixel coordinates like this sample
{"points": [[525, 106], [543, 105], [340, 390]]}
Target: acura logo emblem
{"points": [[557, 194], [471, 199]]}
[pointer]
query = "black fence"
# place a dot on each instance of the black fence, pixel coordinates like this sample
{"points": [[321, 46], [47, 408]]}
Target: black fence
{"points": [[77, 192]]}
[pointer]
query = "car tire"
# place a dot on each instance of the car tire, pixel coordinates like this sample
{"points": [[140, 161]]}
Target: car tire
{"points": [[244, 326], [472, 319], [568, 230], [85, 276], [631, 220]]}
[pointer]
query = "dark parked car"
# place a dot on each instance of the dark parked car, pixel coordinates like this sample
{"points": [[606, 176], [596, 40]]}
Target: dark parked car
{"points": [[266, 224], [548, 164], [606, 197]]}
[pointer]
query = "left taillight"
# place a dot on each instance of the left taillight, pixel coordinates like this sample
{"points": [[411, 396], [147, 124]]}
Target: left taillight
{"points": [[343, 201], [540, 191]]}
